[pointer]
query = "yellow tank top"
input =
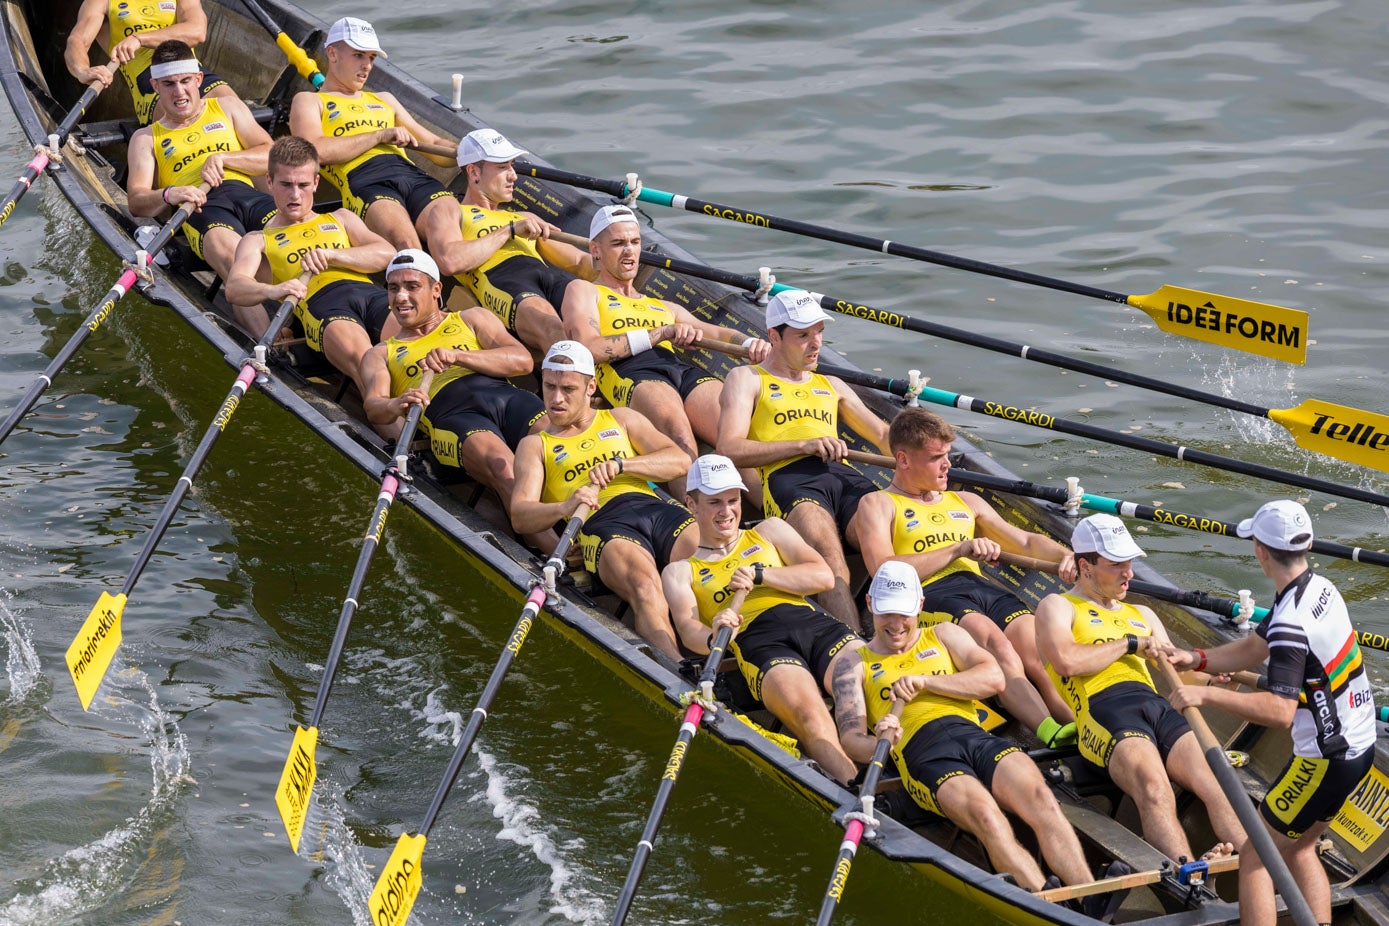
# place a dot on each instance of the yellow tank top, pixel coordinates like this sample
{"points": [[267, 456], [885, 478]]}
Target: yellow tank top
{"points": [[1092, 624], [918, 527], [793, 411], [403, 356], [343, 116], [179, 153], [710, 579], [618, 314], [125, 18], [568, 459], [927, 657], [479, 223], [284, 247]]}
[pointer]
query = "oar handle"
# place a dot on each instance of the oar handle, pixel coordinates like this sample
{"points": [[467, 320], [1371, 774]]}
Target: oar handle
{"points": [[880, 750], [872, 459], [722, 347], [439, 151], [407, 430], [554, 566]]}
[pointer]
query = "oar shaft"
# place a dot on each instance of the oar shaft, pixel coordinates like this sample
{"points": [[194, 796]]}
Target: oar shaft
{"points": [[1249, 817], [296, 56]]}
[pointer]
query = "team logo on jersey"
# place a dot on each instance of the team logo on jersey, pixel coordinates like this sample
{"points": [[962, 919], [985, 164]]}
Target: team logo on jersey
{"points": [[960, 515], [168, 6], [375, 106], [802, 394], [911, 525], [774, 387], [333, 114], [192, 138], [1096, 620], [1093, 613], [586, 444], [608, 433], [755, 548], [822, 392], [401, 351], [215, 127], [281, 237], [875, 666], [910, 512], [1138, 625], [123, 13], [927, 654], [557, 448], [705, 575], [166, 143], [327, 226]]}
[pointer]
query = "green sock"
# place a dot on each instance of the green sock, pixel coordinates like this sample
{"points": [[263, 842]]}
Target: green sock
{"points": [[1052, 733]]}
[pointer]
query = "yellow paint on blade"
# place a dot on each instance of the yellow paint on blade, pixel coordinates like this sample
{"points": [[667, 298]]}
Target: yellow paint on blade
{"points": [[1239, 324], [91, 652], [399, 883], [1349, 434], [296, 783], [1364, 816]]}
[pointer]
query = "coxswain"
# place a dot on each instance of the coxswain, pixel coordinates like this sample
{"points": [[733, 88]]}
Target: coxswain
{"points": [[133, 31], [197, 139], [944, 536], [605, 459], [1095, 645], [361, 139], [785, 646], [1313, 657], [343, 312], [629, 334], [782, 417], [473, 416]]}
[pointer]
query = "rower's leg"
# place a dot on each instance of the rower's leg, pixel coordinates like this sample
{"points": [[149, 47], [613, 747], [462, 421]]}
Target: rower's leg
{"points": [[488, 459], [702, 410], [219, 247], [344, 343], [1257, 903], [390, 220], [440, 228], [630, 571], [1020, 789], [1019, 698], [1136, 767], [660, 403], [790, 693], [537, 323], [816, 525], [1022, 634], [969, 805], [1187, 766]]}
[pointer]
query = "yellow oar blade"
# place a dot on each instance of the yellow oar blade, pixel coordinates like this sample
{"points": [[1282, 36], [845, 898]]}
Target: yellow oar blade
{"points": [[91, 652], [1239, 324], [399, 884], [1350, 434], [296, 783]]}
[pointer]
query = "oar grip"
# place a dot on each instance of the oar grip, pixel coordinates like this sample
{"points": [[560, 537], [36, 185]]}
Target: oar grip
{"points": [[296, 56], [872, 459], [439, 151]]}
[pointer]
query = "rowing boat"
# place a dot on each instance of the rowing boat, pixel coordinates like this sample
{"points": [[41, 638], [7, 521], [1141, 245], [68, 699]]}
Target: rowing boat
{"points": [[241, 51]]}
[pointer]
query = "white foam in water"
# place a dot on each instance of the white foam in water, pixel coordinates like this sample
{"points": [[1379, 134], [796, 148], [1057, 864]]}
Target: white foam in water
{"points": [[348, 875], [21, 660]]}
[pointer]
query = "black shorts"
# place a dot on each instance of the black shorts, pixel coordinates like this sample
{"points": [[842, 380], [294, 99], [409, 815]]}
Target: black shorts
{"points": [[475, 403], [835, 487], [344, 300], [962, 592], [147, 99], [501, 289], [946, 748], [1311, 790], [1125, 710], [394, 178], [617, 380], [650, 522], [789, 634], [232, 204]]}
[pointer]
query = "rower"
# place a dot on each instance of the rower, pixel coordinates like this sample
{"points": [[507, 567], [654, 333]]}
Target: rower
{"points": [[509, 261], [944, 536], [783, 418], [604, 459], [361, 137], [950, 765], [785, 646], [343, 312], [474, 417], [200, 139], [1095, 645], [133, 31], [625, 332], [1313, 655]]}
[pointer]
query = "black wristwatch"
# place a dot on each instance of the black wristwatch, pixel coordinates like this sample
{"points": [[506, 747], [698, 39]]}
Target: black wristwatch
{"points": [[1133, 643], [757, 573]]}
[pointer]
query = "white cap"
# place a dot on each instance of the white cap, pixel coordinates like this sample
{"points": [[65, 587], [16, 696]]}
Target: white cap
{"points": [[1106, 535], [1282, 525], [712, 474], [357, 33], [414, 259], [896, 589], [610, 215], [487, 145], [794, 307], [580, 360]]}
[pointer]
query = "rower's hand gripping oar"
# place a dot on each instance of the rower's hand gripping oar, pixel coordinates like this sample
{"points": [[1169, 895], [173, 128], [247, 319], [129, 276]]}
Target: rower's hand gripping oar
{"points": [[296, 56], [857, 825], [1256, 327], [50, 153], [1249, 817], [128, 278], [400, 881], [91, 652], [689, 726], [300, 771]]}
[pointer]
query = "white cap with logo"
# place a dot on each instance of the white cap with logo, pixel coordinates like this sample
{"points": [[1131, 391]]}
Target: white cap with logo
{"points": [[896, 589], [1106, 535], [795, 307], [712, 474], [414, 259], [1282, 525], [487, 145], [357, 33], [580, 360], [610, 215]]}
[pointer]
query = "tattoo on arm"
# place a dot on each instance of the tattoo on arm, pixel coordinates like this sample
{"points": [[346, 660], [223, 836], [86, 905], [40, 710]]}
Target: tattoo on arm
{"points": [[849, 714]]}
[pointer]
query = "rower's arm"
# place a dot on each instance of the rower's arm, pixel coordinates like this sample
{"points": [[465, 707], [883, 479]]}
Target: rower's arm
{"points": [[422, 135], [874, 520], [854, 413], [580, 316], [141, 197], [91, 17], [735, 418], [375, 377], [684, 612], [306, 121], [242, 287], [255, 141], [850, 709], [658, 459], [529, 515], [190, 27], [1058, 646], [977, 674], [464, 255], [501, 356], [988, 523], [805, 571], [369, 253], [566, 257]]}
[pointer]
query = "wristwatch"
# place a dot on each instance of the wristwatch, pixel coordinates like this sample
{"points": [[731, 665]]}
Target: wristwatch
{"points": [[757, 573]]}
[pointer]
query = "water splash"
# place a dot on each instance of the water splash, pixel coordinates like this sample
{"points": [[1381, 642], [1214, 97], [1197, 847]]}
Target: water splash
{"points": [[21, 660]]}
